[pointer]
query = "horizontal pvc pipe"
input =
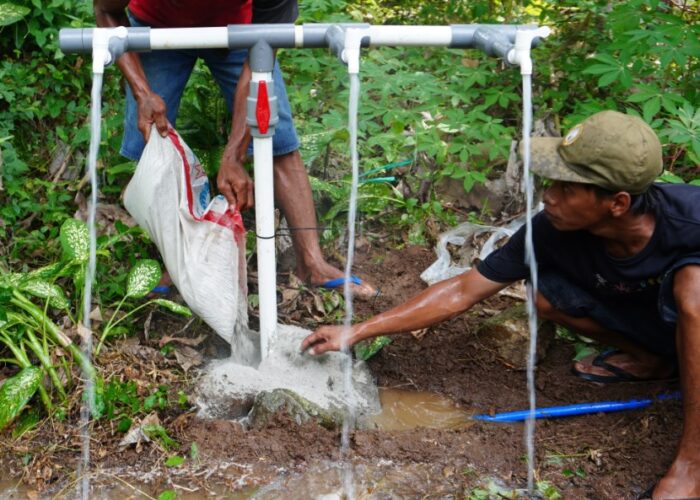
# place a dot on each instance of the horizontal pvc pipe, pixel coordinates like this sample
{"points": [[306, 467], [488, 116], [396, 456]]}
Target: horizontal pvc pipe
{"points": [[576, 409], [186, 38], [289, 35], [406, 36]]}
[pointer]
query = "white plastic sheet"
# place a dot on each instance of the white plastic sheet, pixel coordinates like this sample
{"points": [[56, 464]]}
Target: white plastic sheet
{"points": [[444, 268]]}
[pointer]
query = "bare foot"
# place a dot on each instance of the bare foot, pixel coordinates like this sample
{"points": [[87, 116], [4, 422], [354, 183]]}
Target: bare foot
{"points": [[681, 481], [163, 286], [620, 366], [326, 272]]}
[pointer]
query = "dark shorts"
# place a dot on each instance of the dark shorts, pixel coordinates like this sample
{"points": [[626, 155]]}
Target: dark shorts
{"points": [[652, 327], [167, 72]]}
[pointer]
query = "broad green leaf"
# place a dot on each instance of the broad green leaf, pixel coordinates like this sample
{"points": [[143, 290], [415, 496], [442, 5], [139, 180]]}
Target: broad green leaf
{"points": [[47, 291], [167, 495], [26, 421], [366, 349], [11, 280], [174, 307], [599, 69], [11, 13], [608, 78], [669, 177], [16, 392], [46, 272], [75, 240], [650, 108], [143, 277]]}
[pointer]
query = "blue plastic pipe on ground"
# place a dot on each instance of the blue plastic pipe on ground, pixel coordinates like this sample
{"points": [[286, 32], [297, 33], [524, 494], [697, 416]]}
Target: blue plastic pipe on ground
{"points": [[576, 409]]}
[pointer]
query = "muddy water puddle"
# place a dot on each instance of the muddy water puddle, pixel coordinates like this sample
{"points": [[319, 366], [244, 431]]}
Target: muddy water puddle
{"points": [[404, 410]]}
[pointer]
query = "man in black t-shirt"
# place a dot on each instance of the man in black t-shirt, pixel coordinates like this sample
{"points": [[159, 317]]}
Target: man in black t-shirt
{"points": [[619, 262]]}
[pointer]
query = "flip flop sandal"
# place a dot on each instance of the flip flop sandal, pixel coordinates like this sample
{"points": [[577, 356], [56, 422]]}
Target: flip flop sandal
{"points": [[337, 283], [617, 373]]}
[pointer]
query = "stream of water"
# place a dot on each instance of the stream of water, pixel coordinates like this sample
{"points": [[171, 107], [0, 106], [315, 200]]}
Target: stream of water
{"points": [[88, 402], [349, 420], [532, 284]]}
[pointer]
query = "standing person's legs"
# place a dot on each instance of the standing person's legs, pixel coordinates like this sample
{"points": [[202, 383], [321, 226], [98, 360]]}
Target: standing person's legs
{"points": [[292, 188]]}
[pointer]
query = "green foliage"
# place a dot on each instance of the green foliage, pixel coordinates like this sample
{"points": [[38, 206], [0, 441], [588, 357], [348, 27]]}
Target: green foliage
{"points": [[11, 13], [16, 391], [368, 348], [44, 108], [168, 495], [32, 338], [174, 461], [639, 57]]}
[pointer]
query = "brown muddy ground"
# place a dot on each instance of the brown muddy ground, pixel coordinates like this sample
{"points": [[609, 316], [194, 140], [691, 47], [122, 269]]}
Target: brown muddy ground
{"points": [[601, 456]]}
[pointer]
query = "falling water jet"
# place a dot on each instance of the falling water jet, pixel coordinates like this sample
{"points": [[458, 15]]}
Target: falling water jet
{"points": [[88, 402], [349, 420], [532, 284]]}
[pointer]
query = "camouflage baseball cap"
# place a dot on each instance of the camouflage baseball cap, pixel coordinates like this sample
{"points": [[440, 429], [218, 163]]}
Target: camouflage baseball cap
{"points": [[612, 150]]}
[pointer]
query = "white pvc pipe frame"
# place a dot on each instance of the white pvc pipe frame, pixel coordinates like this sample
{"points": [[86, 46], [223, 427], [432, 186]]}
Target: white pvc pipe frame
{"points": [[218, 37]]}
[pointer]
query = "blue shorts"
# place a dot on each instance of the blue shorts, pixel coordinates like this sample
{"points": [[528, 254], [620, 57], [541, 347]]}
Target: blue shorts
{"points": [[167, 72], [652, 327]]}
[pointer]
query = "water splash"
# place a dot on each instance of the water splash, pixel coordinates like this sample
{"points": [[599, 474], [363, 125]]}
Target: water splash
{"points": [[88, 403], [350, 416], [532, 284]]}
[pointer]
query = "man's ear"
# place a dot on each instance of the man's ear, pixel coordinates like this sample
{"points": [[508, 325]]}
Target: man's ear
{"points": [[620, 203]]}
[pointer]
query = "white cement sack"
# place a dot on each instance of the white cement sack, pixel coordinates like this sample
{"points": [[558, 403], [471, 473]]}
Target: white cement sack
{"points": [[201, 240]]}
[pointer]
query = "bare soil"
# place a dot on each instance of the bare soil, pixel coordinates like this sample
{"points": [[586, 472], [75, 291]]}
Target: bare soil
{"points": [[600, 456]]}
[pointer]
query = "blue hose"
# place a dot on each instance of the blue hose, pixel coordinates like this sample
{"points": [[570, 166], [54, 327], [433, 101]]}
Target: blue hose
{"points": [[576, 409]]}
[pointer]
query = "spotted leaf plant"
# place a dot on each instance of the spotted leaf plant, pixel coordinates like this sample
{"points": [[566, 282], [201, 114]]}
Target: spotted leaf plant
{"points": [[34, 342], [143, 277]]}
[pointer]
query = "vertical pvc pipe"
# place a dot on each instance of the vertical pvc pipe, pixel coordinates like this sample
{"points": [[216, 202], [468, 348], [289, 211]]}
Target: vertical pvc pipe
{"points": [[265, 230]]}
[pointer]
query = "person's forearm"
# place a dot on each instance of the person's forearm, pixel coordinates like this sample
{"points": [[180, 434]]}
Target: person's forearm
{"points": [[239, 136], [437, 303], [110, 14]]}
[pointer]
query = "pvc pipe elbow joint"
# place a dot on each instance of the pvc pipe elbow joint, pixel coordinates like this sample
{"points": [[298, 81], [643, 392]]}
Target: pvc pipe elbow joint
{"points": [[520, 54], [107, 45], [351, 52]]}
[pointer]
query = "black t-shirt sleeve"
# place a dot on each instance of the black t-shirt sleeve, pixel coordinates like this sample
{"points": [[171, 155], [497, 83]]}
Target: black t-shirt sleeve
{"points": [[506, 264], [275, 11]]}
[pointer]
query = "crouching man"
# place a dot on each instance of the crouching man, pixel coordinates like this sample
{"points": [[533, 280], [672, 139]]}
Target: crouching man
{"points": [[619, 262]]}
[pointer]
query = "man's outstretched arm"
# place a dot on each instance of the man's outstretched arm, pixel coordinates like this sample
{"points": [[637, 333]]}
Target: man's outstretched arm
{"points": [[436, 303], [151, 108]]}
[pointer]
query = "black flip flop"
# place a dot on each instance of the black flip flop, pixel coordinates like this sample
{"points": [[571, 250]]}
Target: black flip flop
{"points": [[617, 373]]}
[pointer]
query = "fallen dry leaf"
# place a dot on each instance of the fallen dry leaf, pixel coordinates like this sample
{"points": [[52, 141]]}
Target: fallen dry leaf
{"points": [[188, 357], [183, 340]]}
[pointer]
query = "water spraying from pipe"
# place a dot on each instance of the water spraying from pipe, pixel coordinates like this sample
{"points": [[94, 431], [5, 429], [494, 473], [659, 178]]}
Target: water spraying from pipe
{"points": [[520, 54], [88, 402], [349, 420], [532, 284]]}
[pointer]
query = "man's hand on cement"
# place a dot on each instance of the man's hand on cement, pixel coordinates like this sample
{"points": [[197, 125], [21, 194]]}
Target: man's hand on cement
{"points": [[326, 338], [151, 109], [235, 184]]}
